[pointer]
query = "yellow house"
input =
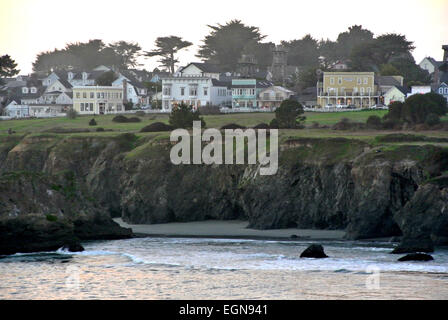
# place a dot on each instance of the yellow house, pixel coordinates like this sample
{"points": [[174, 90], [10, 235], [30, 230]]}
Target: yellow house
{"points": [[348, 88], [97, 100]]}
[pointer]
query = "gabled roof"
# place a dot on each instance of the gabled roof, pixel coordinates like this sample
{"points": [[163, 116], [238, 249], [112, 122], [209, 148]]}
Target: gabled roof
{"points": [[434, 62], [132, 79], [388, 81], [403, 90], [218, 83], [65, 83], [205, 67]]}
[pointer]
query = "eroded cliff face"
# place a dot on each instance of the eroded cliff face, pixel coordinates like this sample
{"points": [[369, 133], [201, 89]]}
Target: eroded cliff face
{"points": [[321, 183]]}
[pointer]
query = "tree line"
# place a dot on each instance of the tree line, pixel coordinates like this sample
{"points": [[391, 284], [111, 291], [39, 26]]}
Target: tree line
{"points": [[359, 48]]}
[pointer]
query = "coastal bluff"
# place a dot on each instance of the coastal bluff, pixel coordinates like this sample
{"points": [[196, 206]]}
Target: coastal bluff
{"points": [[57, 188]]}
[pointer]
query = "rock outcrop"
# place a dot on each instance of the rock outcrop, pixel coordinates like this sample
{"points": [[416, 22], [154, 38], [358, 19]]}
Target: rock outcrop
{"points": [[314, 251], [329, 183], [416, 257]]}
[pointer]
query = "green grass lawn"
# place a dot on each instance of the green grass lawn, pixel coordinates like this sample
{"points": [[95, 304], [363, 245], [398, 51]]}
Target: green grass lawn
{"points": [[40, 126]]}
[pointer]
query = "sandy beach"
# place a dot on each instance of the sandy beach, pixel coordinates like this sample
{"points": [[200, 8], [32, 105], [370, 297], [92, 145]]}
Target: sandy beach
{"points": [[227, 229]]}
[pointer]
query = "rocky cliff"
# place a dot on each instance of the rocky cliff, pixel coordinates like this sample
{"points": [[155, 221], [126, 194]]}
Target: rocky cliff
{"points": [[73, 184]]}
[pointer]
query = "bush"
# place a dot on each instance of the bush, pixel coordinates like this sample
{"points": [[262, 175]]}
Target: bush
{"points": [[432, 119], [394, 114], [183, 116], [273, 124], [391, 124], [157, 127], [99, 129], [373, 122], [72, 114], [346, 124], [92, 122], [232, 126], [51, 218], [122, 119], [288, 114], [262, 126], [140, 113]]}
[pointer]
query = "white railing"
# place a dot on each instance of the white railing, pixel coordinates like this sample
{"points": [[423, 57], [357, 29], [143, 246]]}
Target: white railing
{"points": [[236, 110]]}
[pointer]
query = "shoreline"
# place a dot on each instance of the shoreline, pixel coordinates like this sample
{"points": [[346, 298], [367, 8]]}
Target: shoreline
{"points": [[227, 229]]}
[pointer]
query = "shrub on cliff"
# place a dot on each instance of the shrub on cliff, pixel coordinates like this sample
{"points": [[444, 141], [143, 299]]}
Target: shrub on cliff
{"points": [[122, 119], [232, 126], [347, 124], [416, 108], [288, 115], [157, 127], [183, 116], [92, 122], [432, 119], [373, 122], [262, 126]]}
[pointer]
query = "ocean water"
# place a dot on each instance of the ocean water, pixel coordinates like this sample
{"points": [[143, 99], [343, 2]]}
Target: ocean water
{"points": [[187, 268]]}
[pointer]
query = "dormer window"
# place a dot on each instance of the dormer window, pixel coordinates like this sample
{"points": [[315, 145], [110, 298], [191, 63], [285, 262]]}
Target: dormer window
{"points": [[33, 90], [25, 90], [70, 75], [84, 76]]}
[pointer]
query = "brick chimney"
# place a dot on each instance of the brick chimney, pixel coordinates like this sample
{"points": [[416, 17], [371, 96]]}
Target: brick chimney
{"points": [[445, 52]]}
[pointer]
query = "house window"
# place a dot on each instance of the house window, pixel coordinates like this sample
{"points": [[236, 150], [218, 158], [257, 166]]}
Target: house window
{"points": [[119, 107], [97, 95], [362, 90], [24, 90], [82, 106], [182, 91], [369, 90], [102, 95], [84, 95], [339, 80], [359, 80], [33, 90], [78, 95], [167, 91], [331, 80], [366, 80], [446, 90], [92, 95], [205, 91], [91, 106], [193, 92]]}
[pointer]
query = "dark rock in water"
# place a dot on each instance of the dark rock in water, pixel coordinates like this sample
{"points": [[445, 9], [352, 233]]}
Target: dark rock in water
{"points": [[414, 245], [314, 251], [73, 247], [416, 257]]}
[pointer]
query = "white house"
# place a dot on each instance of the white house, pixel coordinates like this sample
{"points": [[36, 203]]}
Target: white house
{"points": [[15, 110], [419, 90], [273, 96], [198, 85], [429, 64], [394, 94]]}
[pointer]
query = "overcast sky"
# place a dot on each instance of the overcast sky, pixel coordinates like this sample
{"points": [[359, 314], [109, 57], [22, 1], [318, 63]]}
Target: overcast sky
{"points": [[28, 27]]}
